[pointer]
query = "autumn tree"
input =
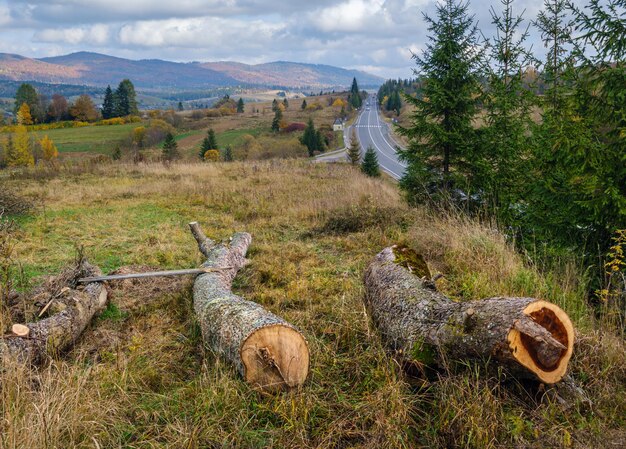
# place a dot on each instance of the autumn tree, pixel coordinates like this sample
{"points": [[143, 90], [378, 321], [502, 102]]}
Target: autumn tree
{"points": [[26, 93], [23, 115], [354, 150], [58, 109], [19, 152], [138, 136], [84, 109], [48, 149], [212, 156]]}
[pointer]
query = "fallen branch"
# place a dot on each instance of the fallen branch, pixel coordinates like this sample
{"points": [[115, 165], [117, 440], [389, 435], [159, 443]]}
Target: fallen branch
{"points": [[33, 342], [530, 337], [269, 352]]}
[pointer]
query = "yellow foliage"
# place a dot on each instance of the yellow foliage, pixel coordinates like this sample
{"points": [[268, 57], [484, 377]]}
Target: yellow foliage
{"points": [[19, 153], [23, 115], [339, 103], [112, 121], [48, 149], [315, 106], [281, 107], [212, 156], [138, 135]]}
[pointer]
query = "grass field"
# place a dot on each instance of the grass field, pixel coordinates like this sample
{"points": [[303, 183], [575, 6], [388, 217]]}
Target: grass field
{"points": [[140, 377], [88, 139]]}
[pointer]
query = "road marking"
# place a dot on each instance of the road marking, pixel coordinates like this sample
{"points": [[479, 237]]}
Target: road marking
{"points": [[379, 150]]}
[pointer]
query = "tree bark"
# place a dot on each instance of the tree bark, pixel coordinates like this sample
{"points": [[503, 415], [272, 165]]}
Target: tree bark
{"points": [[74, 307], [531, 338], [268, 352]]}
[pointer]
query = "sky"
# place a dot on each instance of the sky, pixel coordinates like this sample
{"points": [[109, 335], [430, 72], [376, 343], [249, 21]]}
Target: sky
{"points": [[377, 36]]}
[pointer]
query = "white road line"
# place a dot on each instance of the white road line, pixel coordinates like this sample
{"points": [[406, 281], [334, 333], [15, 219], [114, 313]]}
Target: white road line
{"points": [[390, 146], [379, 150]]}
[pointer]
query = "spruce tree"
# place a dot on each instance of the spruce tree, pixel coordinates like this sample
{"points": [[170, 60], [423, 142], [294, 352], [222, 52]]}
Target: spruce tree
{"points": [[209, 143], [170, 148], [303, 107], [286, 103], [309, 138], [180, 106], [507, 103], [274, 105], [228, 154], [240, 106], [108, 105], [442, 141], [370, 163], [354, 150], [278, 117], [125, 99], [355, 96]]}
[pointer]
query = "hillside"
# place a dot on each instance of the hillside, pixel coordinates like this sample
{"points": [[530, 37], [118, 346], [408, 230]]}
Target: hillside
{"points": [[140, 377], [99, 70]]}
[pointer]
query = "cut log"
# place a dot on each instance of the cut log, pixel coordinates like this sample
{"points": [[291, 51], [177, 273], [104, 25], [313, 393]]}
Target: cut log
{"points": [[34, 342], [531, 338], [268, 352]]}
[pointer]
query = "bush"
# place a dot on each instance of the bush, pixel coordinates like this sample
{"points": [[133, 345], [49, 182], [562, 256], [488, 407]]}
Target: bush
{"points": [[211, 113], [292, 127], [111, 121]]}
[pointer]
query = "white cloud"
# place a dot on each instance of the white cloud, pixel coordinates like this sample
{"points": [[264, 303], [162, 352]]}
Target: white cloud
{"points": [[93, 35], [350, 16]]}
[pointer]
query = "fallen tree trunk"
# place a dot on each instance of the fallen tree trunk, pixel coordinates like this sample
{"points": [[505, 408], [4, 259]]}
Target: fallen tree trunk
{"points": [[267, 351], [74, 308], [530, 337]]}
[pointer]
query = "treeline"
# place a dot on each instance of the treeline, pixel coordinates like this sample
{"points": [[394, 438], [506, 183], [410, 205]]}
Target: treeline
{"points": [[390, 93], [550, 167], [32, 107]]}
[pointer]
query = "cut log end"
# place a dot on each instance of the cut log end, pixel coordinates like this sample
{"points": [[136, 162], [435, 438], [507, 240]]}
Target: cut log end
{"points": [[20, 330], [275, 357], [545, 346]]}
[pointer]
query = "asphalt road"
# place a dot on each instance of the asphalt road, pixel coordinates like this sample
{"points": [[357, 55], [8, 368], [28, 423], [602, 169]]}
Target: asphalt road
{"points": [[372, 131]]}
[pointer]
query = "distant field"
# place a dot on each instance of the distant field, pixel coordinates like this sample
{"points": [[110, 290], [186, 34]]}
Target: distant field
{"points": [[234, 136], [92, 139]]}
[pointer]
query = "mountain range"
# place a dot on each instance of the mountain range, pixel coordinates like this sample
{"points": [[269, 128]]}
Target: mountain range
{"points": [[94, 69]]}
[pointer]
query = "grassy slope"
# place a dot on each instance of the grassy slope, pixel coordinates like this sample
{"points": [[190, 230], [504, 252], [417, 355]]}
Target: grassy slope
{"points": [[139, 377], [92, 139]]}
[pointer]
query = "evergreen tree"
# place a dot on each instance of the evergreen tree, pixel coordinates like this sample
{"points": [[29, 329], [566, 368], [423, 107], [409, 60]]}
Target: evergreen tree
{"points": [[303, 107], [180, 106], [240, 106], [125, 99], [285, 103], [108, 105], [311, 138], [355, 96], [370, 163], [228, 154], [278, 117], [274, 105], [26, 93], [170, 148], [354, 150], [507, 105], [209, 143], [442, 142]]}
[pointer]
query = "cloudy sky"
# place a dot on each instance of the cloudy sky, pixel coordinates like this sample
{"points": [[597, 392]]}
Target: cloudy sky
{"points": [[373, 35]]}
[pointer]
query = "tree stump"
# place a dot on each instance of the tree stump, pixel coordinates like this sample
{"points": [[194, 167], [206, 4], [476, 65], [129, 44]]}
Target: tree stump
{"points": [[531, 338], [268, 352]]}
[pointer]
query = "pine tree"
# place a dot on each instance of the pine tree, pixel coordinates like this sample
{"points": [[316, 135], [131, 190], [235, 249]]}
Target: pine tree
{"points": [[274, 105], [125, 99], [370, 163], [209, 143], [170, 148], [310, 138], [442, 141], [355, 96], [108, 105], [19, 153], [240, 106], [285, 103], [278, 117], [228, 154], [354, 150], [303, 107]]}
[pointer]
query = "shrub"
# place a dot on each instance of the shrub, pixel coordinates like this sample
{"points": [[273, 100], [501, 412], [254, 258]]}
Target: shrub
{"points": [[111, 121], [212, 156], [211, 113], [296, 126]]}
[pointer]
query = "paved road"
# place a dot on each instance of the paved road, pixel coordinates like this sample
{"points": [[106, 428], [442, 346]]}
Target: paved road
{"points": [[372, 131]]}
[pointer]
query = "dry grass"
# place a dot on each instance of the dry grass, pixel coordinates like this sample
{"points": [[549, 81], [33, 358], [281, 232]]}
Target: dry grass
{"points": [[140, 378]]}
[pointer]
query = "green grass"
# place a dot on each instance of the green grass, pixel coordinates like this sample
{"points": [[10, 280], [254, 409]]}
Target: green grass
{"points": [[90, 139], [234, 137]]}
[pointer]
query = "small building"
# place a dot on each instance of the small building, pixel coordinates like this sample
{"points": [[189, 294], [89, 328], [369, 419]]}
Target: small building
{"points": [[338, 125]]}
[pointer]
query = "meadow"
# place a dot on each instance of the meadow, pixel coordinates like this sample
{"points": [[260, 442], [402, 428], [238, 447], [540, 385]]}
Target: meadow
{"points": [[141, 378]]}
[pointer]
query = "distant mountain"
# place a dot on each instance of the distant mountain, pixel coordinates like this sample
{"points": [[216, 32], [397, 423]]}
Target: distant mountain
{"points": [[96, 69], [292, 74]]}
